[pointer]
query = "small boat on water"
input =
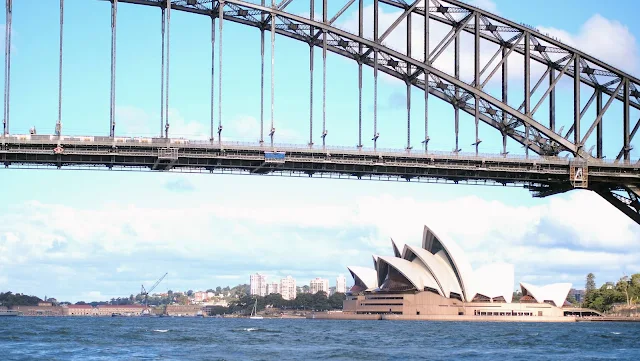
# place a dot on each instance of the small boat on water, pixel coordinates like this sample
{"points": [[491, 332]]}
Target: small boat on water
{"points": [[254, 312], [10, 313]]}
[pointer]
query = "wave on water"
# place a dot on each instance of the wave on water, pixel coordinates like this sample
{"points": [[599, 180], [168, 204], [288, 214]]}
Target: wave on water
{"points": [[255, 329], [161, 331], [616, 333]]}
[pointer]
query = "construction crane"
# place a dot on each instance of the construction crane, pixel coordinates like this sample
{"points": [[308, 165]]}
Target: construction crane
{"points": [[145, 293]]}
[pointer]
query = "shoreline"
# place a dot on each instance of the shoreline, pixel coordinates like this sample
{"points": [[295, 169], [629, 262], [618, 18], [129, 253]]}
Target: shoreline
{"points": [[463, 318]]}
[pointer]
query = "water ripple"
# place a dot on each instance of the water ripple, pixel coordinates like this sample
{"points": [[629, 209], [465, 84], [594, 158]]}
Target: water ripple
{"points": [[97, 339]]}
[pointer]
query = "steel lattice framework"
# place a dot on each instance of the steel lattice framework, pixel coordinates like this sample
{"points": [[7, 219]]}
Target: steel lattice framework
{"points": [[543, 172]]}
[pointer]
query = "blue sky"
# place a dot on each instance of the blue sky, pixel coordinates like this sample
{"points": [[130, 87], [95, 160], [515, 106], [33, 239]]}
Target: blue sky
{"points": [[93, 235]]}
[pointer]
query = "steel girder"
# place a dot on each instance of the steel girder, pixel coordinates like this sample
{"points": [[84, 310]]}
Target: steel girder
{"points": [[625, 198], [593, 72], [518, 124], [444, 86], [471, 97]]}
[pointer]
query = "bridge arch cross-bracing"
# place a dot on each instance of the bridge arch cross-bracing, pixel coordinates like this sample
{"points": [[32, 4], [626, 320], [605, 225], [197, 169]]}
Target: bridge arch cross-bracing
{"points": [[557, 158]]}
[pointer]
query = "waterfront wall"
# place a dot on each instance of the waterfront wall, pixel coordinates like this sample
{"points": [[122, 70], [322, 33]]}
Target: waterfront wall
{"points": [[455, 318], [466, 318]]}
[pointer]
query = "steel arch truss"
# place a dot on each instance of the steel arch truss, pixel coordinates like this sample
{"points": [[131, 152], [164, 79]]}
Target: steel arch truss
{"points": [[520, 124], [523, 124]]}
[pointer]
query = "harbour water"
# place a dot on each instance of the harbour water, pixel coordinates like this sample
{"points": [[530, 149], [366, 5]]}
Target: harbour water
{"points": [[87, 339]]}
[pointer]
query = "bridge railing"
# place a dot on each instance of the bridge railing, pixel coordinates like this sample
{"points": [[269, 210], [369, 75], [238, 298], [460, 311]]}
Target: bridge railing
{"points": [[327, 151]]}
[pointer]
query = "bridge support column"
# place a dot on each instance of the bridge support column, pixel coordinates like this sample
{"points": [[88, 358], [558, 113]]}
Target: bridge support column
{"points": [[166, 100], [552, 99], [456, 107], [164, 22], [58, 129], [505, 97], [324, 75], [262, 76], [599, 126], [7, 67], [576, 102], [273, 74], [409, 70], [375, 76], [220, 27], [476, 66], [213, 70], [426, 80], [625, 121], [527, 87], [360, 34], [112, 106], [311, 47]]}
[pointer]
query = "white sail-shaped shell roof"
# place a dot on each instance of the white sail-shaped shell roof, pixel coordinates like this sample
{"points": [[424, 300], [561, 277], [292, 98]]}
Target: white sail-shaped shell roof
{"points": [[396, 249], [368, 276], [375, 261], [556, 292], [455, 257], [494, 280], [413, 272], [439, 270]]}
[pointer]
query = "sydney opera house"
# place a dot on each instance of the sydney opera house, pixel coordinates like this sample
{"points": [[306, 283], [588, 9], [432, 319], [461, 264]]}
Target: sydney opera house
{"points": [[437, 280]]}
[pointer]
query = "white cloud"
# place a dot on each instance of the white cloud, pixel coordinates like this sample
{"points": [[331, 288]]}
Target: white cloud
{"points": [[134, 121], [246, 128], [559, 238], [605, 39]]}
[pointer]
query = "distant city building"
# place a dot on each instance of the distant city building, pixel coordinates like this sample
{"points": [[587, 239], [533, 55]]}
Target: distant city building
{"points": [[341, 284], [273, 288], [319, 284], [200, 296], [332, 290], [258, 285], [577, 294], [288, 288]]}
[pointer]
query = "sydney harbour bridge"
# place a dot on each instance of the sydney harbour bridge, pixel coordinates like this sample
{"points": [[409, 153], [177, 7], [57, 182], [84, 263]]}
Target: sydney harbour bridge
{"points": [[555, 158]]}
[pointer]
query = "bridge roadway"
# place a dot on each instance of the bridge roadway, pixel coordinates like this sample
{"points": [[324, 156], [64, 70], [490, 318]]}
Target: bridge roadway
{"points": [[546, 175]]}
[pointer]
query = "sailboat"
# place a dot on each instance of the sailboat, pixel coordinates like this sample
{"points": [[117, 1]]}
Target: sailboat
{"points": [[254, 312]]}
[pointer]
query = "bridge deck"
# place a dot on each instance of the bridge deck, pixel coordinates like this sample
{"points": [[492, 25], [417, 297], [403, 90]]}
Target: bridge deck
{"points": [[167, 154]]}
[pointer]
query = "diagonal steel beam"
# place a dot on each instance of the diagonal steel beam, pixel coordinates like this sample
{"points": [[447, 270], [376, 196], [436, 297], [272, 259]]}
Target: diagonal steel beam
{"points": [[393, 26], [339, 13], [624, 204], [504, 58], [551, 87], [461, 26], [398, 21], [584, 110], [542, 78], [633, 133], [599, 117], [283, 4]]}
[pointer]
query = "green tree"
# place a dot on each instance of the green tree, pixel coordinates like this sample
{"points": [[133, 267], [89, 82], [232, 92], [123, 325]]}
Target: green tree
{"points": [[336, 300], [9, 299], [590, 285], [624, 286], [517, 294]]}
